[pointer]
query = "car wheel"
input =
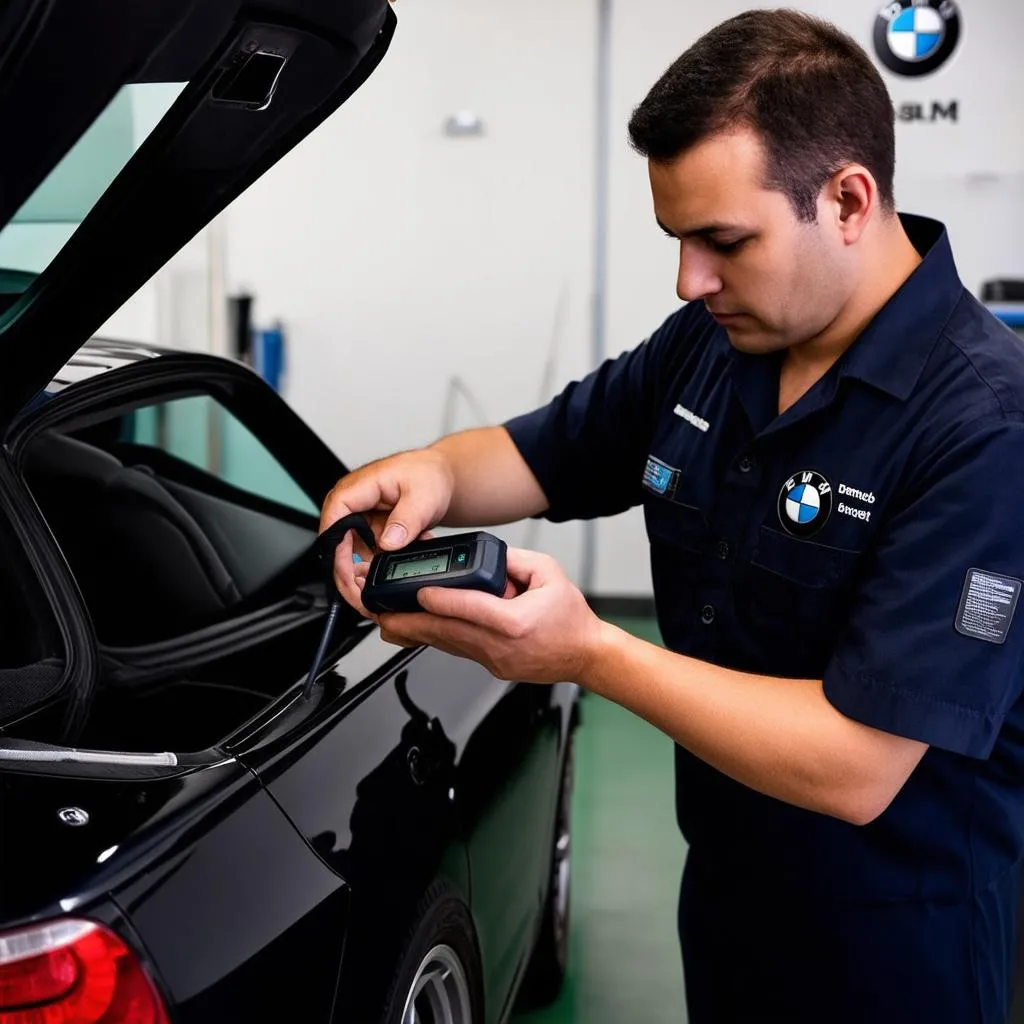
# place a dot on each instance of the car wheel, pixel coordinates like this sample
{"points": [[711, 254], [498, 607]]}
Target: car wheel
{"points": [[546, 971], [438, 977]]}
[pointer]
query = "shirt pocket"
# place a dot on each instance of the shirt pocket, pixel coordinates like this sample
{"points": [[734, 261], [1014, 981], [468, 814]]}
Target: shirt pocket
{"points": [[679, 535], [793, 596], [680, 528]]}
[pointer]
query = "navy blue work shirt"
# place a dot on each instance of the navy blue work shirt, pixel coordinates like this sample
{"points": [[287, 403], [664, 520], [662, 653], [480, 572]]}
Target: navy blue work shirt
{"points": [[872, 536]]}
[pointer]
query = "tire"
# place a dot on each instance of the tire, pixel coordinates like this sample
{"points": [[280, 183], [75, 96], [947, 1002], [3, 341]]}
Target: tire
{"points": [[438, 975], [545, 973]]}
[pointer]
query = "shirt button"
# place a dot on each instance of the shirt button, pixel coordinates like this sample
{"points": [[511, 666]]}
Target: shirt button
{"points": [[747, 463], [722, 549], [707, 614]]}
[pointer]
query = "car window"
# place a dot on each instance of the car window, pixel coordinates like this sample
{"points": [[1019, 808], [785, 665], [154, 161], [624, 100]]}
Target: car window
{"points": [[201, 432], [50, 216], [172, 516]]}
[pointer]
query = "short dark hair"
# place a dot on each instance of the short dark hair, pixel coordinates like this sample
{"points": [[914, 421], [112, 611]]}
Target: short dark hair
{"points": [[809, 91]]}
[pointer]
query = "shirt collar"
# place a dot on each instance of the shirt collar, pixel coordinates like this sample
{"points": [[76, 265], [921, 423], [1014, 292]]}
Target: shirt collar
{"points": [[892, 350]]}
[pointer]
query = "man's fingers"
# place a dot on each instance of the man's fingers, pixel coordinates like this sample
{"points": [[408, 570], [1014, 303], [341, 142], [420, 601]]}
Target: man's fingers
{"points": [[530, 568], [437, 643], [344, 576], [414, 628], [397, 639], [350, 576], [526, 570], [347, 569], [352, 493], [494, 613]]}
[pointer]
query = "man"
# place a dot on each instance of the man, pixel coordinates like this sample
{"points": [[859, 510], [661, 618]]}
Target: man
{"points": [[827, 441]]}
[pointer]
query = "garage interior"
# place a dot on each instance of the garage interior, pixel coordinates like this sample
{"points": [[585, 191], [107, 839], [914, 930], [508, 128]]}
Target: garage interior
{"points": [[473, 230]]}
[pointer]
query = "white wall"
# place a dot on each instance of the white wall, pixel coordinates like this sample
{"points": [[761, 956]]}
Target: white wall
{"points": [[173, 308], [398, 257], [970, 175]]}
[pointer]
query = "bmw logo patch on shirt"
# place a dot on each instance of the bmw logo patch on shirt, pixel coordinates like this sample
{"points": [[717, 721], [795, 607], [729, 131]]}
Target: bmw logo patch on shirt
{"points": [[915, 37], [805, 503]]}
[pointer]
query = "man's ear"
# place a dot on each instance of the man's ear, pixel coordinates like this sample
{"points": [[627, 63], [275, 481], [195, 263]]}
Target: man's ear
{"points": [[851, 195]]}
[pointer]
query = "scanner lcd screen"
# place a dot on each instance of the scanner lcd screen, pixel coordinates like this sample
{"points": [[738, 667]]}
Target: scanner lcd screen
{"points": [[418, 565]]}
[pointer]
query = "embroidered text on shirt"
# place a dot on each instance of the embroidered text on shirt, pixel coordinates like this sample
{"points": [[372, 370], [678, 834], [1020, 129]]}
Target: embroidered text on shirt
{"points": [[692, 418]]}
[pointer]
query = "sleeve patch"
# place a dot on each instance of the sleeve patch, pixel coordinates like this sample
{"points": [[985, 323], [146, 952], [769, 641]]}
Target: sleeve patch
{"points": [[987, 604]]}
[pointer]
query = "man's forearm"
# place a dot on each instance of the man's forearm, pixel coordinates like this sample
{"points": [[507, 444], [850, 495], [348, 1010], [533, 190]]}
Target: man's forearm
{"points": [[493, 483], [779, 736]]}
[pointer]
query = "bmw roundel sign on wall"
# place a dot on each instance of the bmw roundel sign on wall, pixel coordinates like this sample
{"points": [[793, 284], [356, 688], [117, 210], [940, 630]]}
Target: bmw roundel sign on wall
{"points": [[915, 37]]}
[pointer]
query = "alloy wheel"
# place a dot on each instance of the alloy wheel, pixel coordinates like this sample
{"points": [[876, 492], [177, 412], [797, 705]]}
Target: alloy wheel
{"points": [[561, 864], [439, 993]]}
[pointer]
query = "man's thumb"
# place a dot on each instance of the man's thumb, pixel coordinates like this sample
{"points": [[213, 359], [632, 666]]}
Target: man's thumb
{"points": [[395, 534], [405, 523]]}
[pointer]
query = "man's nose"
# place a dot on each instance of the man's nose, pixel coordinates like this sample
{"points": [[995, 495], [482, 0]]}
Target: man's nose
{"points": [[696, 278]]}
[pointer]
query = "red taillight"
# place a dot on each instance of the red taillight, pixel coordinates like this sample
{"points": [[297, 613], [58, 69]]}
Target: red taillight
{"points": [[73, 972]]}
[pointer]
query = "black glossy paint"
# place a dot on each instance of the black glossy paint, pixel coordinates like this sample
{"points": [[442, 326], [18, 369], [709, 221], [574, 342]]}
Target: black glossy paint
{"points": [[131, 817], [220, 891], [427, 768], [242, 922], [431, 769]]}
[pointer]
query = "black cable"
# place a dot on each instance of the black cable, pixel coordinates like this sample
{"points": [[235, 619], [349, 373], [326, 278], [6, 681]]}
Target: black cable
{"points": [[326, 545], [321, 651]]}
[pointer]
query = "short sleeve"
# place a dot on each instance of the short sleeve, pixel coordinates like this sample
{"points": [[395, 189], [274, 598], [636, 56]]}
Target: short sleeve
{"points": [[588, 446], [933, 647]]}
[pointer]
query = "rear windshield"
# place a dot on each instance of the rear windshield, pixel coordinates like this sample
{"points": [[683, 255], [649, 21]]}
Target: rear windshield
{"points": [[50, 216]]}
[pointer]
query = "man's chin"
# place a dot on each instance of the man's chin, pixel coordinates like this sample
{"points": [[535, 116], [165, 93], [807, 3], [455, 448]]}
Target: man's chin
{"points": [[747, 335]]}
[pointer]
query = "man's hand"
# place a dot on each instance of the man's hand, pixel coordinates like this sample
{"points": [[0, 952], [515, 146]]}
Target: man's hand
{"points": [[401, 496], [543, 632]]}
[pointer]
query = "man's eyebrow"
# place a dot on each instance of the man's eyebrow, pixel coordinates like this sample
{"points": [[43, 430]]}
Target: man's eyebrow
{"points": [[702, 232]]}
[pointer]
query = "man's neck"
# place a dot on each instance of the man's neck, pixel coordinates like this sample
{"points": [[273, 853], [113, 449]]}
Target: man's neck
{"points": [[887, 271]]}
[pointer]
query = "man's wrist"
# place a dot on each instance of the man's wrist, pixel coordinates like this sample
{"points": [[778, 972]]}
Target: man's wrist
{"points": [[598, 658]]}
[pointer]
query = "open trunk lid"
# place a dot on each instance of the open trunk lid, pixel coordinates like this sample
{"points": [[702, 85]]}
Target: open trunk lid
{"points": [[254, 81]]}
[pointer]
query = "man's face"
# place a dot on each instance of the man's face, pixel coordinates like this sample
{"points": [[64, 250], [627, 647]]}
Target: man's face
{"points": [[771, 280]]}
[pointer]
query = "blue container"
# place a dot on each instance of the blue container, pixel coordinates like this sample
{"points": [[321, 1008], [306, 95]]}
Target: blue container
{"points": [[268, 357], [1011, 313]]}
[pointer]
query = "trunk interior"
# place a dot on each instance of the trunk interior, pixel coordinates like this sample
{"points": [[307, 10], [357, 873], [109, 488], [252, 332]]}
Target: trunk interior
{"points": [[195, 710], [206, 596]]}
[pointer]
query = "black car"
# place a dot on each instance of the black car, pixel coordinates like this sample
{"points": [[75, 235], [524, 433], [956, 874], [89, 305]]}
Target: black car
{"points": [[185, 835]]}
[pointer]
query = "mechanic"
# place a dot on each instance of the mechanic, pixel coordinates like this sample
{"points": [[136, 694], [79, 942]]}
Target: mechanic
{"points": [[827, 442]]}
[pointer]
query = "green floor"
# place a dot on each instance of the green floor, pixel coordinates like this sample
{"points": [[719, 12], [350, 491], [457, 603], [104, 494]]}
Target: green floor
{"points": [[627, 860]]}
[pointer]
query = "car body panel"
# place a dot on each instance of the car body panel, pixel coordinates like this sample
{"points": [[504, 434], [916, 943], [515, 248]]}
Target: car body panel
{"points": [[199, 861], [243, 922], [426, 754], [53, 861]]}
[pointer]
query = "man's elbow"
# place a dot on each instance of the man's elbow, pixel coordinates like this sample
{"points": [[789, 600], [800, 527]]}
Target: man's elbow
{"points": [[863, 806], [865, 795], [863, 812]]}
